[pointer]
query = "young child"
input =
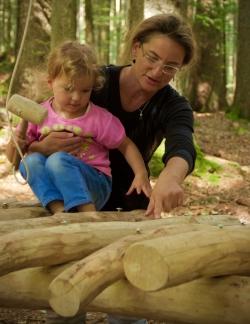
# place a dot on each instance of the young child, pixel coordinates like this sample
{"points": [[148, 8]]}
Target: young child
{"points": [[80, 180]]}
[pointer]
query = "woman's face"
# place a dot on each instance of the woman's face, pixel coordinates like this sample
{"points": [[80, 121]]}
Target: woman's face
{"points": [[157, 62]]}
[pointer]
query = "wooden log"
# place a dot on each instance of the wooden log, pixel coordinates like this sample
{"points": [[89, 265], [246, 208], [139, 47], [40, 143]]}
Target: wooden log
{"points": [[174, 260], [64, 243], [71, 218], [11, 209], [223, 300], [85, 279], [68, 218], [12, 214], [13, 203], [206, 301], [68, 242]]}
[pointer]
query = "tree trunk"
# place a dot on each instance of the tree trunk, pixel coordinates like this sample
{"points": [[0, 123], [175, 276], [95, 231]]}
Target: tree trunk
{"points": [[56, 239], [36, 46], [63, 21], [207, 301], [207, 88], [241, 100], [64, 243], [14, 218], [89, 29], [177, 259], [33, 217], [102, 30], [135, 13], [28, 218], [83, 281], [13, 203]]}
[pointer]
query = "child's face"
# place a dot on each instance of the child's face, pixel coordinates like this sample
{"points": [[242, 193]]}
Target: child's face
{"points": [[71, 99]]}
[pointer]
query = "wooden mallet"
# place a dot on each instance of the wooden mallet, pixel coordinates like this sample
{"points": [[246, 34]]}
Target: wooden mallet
{"points": [[28, 111]]}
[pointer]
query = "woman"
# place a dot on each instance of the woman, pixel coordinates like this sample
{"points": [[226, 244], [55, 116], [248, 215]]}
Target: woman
{"points": [[150, 110]]}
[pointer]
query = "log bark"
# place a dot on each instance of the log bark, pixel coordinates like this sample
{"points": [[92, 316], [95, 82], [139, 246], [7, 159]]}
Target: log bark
{"points": [[208, 301], [64, 243], [13, 203], [12, 214], [68, 242], [8, 226], [39, 221], [177, 259], [85, 279]]}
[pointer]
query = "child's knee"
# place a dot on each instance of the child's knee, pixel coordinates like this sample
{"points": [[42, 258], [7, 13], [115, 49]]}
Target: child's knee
{"points": [[35, 159], [34, 162], [56, 161]]}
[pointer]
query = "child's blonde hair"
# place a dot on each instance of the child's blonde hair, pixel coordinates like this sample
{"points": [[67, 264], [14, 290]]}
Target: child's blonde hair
{"points": [[74, 60]]}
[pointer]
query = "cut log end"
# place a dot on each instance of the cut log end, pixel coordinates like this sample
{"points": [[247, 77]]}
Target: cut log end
{"points": [[64, 298], [145, 268]]}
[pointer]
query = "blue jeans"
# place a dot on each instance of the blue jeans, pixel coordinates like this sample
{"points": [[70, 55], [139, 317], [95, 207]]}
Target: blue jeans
{"points": [[61, 176]]}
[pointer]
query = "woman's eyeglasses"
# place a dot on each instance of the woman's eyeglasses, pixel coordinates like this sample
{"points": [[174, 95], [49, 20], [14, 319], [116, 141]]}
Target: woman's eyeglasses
{"points": [[154, 61]]}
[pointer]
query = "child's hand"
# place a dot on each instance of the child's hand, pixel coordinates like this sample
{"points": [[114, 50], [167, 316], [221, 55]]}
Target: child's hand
{"points": [[140, 183]]}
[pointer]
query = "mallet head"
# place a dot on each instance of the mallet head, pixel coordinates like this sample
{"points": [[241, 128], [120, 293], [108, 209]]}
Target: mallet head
{"points": [[27, 109]]}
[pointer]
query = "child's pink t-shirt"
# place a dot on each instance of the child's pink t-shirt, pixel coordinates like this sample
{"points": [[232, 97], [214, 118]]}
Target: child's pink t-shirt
{"points": [[100, 130]]}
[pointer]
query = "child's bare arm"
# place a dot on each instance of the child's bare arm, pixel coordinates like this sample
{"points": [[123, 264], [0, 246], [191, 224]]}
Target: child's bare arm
{"points": [[135, 160]]}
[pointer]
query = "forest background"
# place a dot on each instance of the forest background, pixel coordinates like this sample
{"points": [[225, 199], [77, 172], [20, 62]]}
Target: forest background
{"points": [[220, 79], [217, 85]]}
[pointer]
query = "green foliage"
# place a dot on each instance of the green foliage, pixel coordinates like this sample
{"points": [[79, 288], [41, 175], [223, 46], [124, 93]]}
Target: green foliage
{"points": [[2, 132], [3, 90], [6, 67], [241, 131], [213, 14], [204, 168], [241, 126], [233, 115], [156, 164]]}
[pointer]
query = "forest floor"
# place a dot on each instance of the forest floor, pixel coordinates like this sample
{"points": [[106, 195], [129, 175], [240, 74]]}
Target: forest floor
{"points": [[226, 191]]}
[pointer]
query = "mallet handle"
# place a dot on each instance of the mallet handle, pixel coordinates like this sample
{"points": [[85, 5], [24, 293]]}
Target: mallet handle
{"points": [[11, 151]]}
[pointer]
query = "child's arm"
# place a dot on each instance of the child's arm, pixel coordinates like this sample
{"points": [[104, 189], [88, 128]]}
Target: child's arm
{"points": [[134, 159], [11, 150]]}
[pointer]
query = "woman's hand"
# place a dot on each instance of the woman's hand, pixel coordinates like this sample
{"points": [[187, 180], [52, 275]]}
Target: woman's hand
{"points": [[57, 141], [140, 183], [168, 193], [165, 196]]}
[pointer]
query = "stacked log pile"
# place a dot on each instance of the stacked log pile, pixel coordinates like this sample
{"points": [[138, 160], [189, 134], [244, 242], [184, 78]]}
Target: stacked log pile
{"points": [[182, 269]]}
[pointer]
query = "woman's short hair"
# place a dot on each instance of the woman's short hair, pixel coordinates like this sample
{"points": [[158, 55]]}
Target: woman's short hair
{"points": [[171, 25]]}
